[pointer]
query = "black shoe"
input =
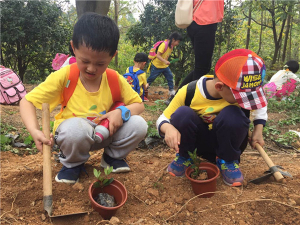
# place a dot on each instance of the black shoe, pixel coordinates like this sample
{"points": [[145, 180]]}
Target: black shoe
{"points": [[69, 175], [119, 165]]}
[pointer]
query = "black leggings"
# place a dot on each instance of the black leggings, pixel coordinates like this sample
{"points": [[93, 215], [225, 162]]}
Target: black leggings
{"points": [[203, 41]]}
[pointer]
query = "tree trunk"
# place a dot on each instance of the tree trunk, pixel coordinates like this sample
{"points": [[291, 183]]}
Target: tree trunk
{"points": [[228, 36], [116, 2], [289, 51], [261, 30], [277, 41], [249, 24], [287, 32], [100, 7]]}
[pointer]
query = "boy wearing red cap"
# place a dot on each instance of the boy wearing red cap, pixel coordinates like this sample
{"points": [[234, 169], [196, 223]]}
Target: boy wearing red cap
{"points": [[216, 122]]}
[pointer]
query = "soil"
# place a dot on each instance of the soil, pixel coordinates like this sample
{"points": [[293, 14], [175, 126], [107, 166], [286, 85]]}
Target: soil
{"points": [[154, 197], [202, 175]]}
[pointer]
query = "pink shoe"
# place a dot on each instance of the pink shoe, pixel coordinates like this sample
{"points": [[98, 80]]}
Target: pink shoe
{"points": [[146, 99]]}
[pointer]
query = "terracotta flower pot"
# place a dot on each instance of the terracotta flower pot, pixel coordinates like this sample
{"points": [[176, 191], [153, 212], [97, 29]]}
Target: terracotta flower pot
{"points": [[202, 186], [116, 189]]}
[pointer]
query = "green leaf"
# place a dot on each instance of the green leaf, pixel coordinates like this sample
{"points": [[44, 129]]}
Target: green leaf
{"points": [[93, 107], [110, 181], [96, 184], [97, 173], [5, 140]]}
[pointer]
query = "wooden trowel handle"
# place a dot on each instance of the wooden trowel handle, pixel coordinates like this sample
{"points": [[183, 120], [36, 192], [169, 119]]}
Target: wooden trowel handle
{"points": [[47, 172], [278, 176]]}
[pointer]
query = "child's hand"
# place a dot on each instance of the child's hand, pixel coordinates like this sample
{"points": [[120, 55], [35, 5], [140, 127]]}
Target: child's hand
{"points": [[115, 120], [257, 136], [167, 62], [40, 139], [172, 138]]}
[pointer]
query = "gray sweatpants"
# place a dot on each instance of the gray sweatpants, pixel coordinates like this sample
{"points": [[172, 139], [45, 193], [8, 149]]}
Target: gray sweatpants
{"points": [[75, 137]]}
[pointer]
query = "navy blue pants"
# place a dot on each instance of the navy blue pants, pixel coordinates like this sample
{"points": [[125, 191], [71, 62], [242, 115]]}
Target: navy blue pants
{"points": [[227, 140]]}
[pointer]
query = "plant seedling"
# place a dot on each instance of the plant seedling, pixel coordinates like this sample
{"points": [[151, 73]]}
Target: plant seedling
{"points": [[197, 173], [102, 180]]}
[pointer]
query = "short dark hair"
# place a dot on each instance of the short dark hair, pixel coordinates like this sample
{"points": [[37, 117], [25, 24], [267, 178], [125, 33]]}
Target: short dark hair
{"points": [[71, 50], [141, 57], [176, 36], [100, 33], [293, 65]]}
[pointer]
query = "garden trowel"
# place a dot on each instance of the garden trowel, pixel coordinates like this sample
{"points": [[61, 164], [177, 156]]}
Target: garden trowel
{"points": [[273, 170], [47, 171]]}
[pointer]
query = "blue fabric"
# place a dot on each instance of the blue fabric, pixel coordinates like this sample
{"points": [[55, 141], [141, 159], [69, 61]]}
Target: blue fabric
{"points": [[231, 172], [227, 140], [115, 163], [155, 72], [70, 174], [179, 165], [135, 83]]}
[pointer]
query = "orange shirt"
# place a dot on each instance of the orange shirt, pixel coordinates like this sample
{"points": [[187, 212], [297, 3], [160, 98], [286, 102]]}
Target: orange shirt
{"points": [[209, 12]]}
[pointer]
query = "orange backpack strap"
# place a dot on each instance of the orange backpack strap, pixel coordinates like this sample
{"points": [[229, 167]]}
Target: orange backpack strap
{"points": [[113, 82], [71, 84]]}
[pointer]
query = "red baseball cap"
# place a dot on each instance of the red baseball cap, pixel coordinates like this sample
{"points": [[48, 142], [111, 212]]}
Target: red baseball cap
{"points": [[243, 71]]}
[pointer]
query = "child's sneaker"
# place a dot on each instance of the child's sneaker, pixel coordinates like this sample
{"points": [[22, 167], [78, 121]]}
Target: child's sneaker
{"points": [[178, 166], [231, 172], [172, 92], [119, 165], [146, 99], [69, 175]]}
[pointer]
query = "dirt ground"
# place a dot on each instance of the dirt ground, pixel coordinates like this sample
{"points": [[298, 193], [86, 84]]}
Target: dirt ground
{"points": [[154, 197]]}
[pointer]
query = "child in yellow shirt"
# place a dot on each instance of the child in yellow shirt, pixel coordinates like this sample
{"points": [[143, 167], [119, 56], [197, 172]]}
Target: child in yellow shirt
{"points": [[94, 42], [136, 72]]}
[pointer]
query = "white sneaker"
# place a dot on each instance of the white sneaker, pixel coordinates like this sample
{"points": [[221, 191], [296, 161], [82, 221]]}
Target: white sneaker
{"points": [[172, 92]]}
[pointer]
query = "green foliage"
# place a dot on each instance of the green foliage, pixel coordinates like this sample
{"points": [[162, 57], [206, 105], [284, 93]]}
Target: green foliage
{"points": [[195, 164], [32, 32], [5, 141], [287, 138], [270, 131], [152, 131], [290, 105], [155, 25], [102, 180], [158, 107]]}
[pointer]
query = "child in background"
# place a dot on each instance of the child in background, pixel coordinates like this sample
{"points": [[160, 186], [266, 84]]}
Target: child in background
{"points": [[94, 42], [283, 83], [216, 122], [71, 59], [140, 61], [160, 63]]}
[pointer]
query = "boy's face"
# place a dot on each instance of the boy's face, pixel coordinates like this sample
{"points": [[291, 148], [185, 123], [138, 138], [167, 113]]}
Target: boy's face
{"points": [[91, 64], [225, 92]]}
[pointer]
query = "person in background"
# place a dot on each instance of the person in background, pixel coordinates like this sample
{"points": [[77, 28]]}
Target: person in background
{"points": [[202, 32], [284, 82], [140, 60], [160, 63]]}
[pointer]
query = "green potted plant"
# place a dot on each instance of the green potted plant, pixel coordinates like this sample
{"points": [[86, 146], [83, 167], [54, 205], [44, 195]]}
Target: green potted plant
{"points": [[110, 186], [203, 176]]}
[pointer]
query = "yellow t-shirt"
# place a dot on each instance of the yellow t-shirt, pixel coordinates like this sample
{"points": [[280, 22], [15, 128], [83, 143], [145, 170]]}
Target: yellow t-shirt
{"points": [[84, 104], [142, 79], [206, 108], [156, 62]]}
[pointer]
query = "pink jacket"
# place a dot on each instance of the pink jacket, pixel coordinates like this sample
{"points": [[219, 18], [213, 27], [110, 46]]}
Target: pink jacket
{"points": [[209, 12]]}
